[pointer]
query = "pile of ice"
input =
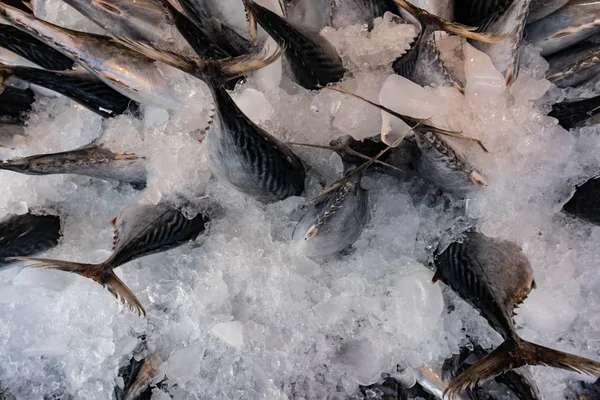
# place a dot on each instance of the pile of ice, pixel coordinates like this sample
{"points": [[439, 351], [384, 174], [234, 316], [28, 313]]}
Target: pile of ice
{"points": [[236, 315]]}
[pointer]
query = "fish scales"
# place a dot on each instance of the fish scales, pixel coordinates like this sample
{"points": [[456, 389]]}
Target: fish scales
{"points": [[27, 235]]}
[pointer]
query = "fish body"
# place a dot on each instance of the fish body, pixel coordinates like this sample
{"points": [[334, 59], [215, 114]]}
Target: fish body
{"points": [[314, 62], [248, 158], [129, 73], [352, 12], [334, 222], [440, 164], [140, 230], [32, 49], [78, 85], [573, 114], [585, 203], [494, 276], [92, 160], [542, 8], [137, 377], [27, 235], [392, 389], [574, 66], [572, 24], [477, 12], [146, 20], [15, 104]]}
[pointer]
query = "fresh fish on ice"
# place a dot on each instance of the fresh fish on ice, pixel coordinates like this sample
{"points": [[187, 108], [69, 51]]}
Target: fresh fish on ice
{"points": [[478, 12], [585, 203], [27, 235], [574, 23], [15, 104], [581, 390], [140, 230], [494, 276], [392, 389], [92, 160], [138, 377], [573, 114], [539, 9], [574, 66]]}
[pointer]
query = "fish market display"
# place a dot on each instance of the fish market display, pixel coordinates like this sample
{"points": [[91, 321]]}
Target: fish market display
{"points": [[328, 199]]}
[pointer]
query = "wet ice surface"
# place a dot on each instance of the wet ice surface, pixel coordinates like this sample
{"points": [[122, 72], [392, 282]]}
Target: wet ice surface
{"points": [[235, 314]]}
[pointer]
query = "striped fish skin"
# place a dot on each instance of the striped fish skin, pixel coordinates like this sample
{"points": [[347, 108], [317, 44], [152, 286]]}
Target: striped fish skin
{"points": [[477, 12], [32, 49], [491, 274], [351, 12], [27, 234], [314, 62], [572, 24], [574, 66], [93, 161], [80, 86], [15, 104], [573, 114], [128, 72], [542, 8], [585, 203], [248, 158], [335, 222]]}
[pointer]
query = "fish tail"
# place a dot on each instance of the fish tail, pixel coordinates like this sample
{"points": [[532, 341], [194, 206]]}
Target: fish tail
{"points": [[6, 71], [251, 15], [216, 72], [469, 32], [513, 354], [96, 272]]}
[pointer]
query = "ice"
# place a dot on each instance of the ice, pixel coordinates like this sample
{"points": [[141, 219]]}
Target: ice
{"points": [[230, 332], [483, 79], [255, 105]]}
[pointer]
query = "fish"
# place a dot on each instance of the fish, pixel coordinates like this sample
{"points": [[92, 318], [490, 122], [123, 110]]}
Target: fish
{"points": [[392, 389], [509, 21], [137, 377], [27, 234], [585, 202], [147, 20], [478, 12], [539, 9], [580, 390], [241, 154], [314, 62], [517, 384], [128, 72], [91, 160], [351, 12], [335, 220], [422, 63], [78, 85], [34, 50], [572, 24], [140, 230], [574, 66], [15, 105], [494, 276], [574, 114]]}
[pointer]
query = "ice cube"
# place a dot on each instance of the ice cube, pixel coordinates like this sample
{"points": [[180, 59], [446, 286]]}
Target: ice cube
{"points": [[230, 332], [255, 105], [483, 79]]}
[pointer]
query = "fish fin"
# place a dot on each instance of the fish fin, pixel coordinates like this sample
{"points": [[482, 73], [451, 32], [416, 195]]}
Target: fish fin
{"points": [[96, 272], [250, 14], [143, 379], [6, 71], [426, 18], [513, 354], [410, 120], [28, 6]]}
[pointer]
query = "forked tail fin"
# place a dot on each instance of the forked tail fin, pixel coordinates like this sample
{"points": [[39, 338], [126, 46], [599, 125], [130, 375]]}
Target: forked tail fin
{"points": [[97, 272], [426, 18], [514, 354]]}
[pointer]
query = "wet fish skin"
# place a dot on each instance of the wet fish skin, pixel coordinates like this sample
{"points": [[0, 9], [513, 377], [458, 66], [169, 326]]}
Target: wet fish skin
{"points": [[15, 104], [334, 222], [574, 66], [314, 62], [32, 49], [140, 230], [585, 203], [126, 71], [477, 12], [572, 24], [494, 276], [78, 85], [27, 235], [542, 8], [573, 114], [91, 160]]}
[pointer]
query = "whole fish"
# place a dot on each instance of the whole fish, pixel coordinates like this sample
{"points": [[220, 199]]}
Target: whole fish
{"points": [[241, 154], [351, 12], [91, 160], [146, 20], [585, 203], [539, 9], [574, 23], [34, 50], [27, 235], [422, 63], [335, 221], [140, 230], [128, 72], [494, 276], [573, 114], [78, 85], [15, 104], [314, 62], [575, 65]]}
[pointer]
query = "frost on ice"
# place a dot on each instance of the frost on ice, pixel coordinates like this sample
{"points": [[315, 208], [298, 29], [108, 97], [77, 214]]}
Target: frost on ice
{"points": [[236, 314]]}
